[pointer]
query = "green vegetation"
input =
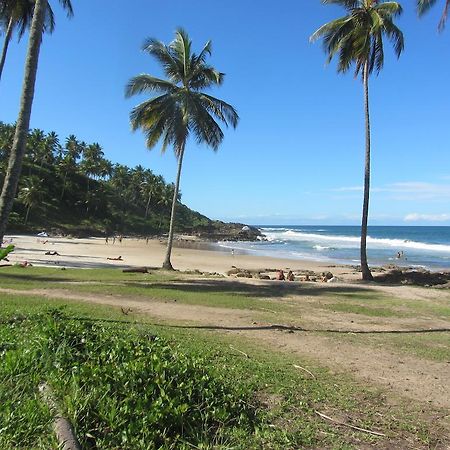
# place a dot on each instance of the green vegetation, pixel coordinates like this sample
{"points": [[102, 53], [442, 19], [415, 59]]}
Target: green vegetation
{"points": [[42, 15], [73, 188], [105, 370], [4, 252], [123, 388], [357, 39], [182, 109]]}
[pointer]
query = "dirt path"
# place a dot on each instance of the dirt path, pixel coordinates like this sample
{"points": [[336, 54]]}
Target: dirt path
{"points": [[422, 380]]}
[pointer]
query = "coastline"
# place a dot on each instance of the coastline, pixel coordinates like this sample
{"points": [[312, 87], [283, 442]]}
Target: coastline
{"points": [[189, 254]]}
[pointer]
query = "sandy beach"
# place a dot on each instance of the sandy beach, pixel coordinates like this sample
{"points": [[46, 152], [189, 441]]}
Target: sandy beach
{"points": [[187, 254]]}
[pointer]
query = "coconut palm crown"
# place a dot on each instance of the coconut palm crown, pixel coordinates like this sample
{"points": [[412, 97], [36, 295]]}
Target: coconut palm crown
{"points": [[424, 5], [182, 108], [357, 40], [17, 15]]}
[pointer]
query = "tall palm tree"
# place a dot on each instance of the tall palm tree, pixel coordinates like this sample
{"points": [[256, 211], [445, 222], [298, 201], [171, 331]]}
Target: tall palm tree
{"points": [[424, 5], [181, 108], [17, 14], [357, 39], [23, 122]]}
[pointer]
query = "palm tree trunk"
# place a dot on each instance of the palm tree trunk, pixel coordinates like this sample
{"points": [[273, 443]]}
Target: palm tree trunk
{"points": [[167, 264], [64, 185], [366, 274], [5, 45], [23, 121], [27, 214], [148, 205]]}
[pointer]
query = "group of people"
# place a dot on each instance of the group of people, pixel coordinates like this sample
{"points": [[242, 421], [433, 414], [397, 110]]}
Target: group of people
{"points": [[289, 277], [119, 238]]}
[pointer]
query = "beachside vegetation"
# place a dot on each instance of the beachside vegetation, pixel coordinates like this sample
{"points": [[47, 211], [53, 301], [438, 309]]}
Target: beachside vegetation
{"points": [[18, 148], [105, 367], [70, 186], [357, 41], [182, 108]]}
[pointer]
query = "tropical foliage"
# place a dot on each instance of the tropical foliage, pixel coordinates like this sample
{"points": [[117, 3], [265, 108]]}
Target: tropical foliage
{"points": [[14, 169], [357, 40], [182, 108], [16, 15], [73, 187], [424, 5]]}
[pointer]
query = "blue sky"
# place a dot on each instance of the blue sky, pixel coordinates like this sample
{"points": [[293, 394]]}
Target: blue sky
{"points": [[297, 154]]}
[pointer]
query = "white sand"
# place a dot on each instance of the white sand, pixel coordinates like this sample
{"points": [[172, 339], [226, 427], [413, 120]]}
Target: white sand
{"points": [[93, 253]]}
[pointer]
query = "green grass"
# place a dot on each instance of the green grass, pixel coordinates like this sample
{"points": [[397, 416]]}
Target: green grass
{"points": [[365, 310], [282, 397]]}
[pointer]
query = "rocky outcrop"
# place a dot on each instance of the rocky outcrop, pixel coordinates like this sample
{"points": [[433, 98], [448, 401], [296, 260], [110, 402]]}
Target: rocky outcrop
{"points": [[221, 231]]}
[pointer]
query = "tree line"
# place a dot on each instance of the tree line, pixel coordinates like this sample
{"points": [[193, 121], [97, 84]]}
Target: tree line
{"points": [[70, 185]]}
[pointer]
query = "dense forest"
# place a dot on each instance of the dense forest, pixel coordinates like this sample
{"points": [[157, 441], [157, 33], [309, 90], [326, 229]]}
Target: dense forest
{"points": [[71, 188]]}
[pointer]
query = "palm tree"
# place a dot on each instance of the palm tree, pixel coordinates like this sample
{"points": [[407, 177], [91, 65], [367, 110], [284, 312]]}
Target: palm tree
{"points": [[17, 14], [358, 39], [424, 5], [23, 122], [31, 194], [181, 107], [68, 157]]}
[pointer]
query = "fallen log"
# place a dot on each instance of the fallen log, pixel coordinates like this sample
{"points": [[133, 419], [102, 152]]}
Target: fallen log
{"points": [[63, 428], [136, 270]]}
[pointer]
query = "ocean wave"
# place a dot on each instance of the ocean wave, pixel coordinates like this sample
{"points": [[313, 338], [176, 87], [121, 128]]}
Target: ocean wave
{"points": [[322, 247], [339, 241]]}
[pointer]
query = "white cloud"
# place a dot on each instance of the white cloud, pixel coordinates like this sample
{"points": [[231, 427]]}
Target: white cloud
{"points": [[415, 217], [348, 189], [411, 190]]}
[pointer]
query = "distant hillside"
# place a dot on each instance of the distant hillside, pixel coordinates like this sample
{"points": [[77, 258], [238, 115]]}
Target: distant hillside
{"points": [[71, 188]]}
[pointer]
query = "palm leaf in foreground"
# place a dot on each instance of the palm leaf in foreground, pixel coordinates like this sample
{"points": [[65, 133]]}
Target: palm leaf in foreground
{"points": [[424, 5]]}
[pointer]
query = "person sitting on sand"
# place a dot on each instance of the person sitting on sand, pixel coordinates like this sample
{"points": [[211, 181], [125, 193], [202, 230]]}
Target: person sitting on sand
{"points": [[119, 258], [290, 276], [52, 253], [280, 276]]}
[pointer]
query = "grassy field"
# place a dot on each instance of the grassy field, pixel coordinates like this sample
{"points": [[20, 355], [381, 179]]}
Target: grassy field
{"points": [[131, 381]]}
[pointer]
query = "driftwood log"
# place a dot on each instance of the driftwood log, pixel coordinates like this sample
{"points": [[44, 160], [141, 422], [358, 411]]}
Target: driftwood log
{"points": [[136, 270], [63, 428]]}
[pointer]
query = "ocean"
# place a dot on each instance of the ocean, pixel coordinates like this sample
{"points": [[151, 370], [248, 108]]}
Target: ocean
{"points": [[421, 247]]}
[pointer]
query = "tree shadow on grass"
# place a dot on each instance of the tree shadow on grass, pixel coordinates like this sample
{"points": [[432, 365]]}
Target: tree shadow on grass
{"points": [[267, 290]]}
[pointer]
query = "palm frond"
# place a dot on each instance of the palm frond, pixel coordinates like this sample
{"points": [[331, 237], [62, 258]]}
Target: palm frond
{"points": [[147, 83]]}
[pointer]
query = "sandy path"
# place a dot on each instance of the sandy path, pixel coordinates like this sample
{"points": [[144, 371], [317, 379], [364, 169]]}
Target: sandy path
{"points": [[411, 377]]}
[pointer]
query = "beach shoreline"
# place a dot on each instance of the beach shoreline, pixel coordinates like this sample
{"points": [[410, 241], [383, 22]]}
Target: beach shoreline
{"points": [[194, 255], [189, 254]]}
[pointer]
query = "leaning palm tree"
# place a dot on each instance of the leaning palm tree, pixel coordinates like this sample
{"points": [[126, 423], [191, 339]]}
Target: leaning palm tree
{"points": [[20, 137], [181, 108], [357, 39], [17, 15], [424, 5]]}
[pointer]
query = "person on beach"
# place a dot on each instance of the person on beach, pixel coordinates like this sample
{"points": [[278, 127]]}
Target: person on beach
{"points": [[52, 253], [106, 240], [120, 239], [114, 239], [119, 258], [290, 276], [280, 276]]}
